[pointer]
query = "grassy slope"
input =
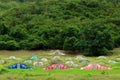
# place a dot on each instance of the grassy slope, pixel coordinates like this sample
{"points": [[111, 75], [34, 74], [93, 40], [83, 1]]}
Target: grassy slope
{"points": [[73, 74]]}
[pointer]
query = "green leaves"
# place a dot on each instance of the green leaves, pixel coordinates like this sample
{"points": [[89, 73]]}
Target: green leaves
{"points": [[69, 43], [18, 33], [90, 26]]}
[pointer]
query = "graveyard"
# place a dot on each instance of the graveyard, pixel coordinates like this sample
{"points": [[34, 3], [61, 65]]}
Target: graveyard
{"points": [[59, 39], [57, 65]]}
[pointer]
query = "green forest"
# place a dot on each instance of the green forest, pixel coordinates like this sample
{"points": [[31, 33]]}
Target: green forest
{"points": [[91, 27]]}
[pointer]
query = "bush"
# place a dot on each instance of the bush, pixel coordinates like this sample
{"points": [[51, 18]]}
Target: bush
{"points": [[2, 45], [33, 43], [3, 29], [94, 41], [18, 33], [2, 69], [12, 45], [69, 43]]}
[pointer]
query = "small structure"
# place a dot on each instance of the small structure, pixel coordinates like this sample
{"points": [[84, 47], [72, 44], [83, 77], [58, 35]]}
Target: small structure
{"points": [[101, 57], [95, 67], [79, 58], [68, 59], [84, 61], [118, 58], [57, 52], [112, 61], [44, 59], [56, 57], [19, 66], [38, 63], [56, 66], [13, 58], [71, 64], [34, 57], [2, 61], [55, 61], [28, 61]]}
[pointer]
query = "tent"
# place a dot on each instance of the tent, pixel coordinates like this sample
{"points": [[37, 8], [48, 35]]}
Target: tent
{"points": [[38, 63], [56, 66], [84, 61], [95, 67], [28, 61], [44, 59], [57, 52], [56, 61], [19, 66], [34, 57]]}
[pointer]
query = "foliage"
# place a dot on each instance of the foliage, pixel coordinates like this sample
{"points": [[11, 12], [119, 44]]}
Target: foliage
{"points": [[90, 26]]}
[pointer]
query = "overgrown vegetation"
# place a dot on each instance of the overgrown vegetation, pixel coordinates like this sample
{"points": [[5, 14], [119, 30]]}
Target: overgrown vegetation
{"points": [[74, 73], [88, 26]]}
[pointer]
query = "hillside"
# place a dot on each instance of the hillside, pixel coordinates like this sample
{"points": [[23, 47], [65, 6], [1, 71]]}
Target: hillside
{"points": [[89, 26]]}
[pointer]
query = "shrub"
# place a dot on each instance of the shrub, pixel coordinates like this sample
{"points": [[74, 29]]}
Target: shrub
{"points": [[12, 45]]}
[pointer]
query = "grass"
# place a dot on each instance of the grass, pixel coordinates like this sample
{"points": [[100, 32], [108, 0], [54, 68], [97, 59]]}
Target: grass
{"points": [[72, 74]]}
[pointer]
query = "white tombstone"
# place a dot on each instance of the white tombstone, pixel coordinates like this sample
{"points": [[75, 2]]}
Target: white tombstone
{"points": [[57, 52], [75, 65], [68, 59], [2, 61], [28, 61], [70, 63], [101, 57], [12, 57], [38, 63], [118, 59], [80, 58], [44, 59], [56, 57]]}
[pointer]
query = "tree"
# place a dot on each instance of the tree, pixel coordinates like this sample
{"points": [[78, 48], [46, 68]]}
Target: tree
{"points": [[97, 41], [69, 43], [3, 29], [18, 33]]}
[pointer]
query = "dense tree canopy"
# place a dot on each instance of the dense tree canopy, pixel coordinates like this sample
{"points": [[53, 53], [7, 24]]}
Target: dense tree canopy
{"points": [[89, 26]]}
